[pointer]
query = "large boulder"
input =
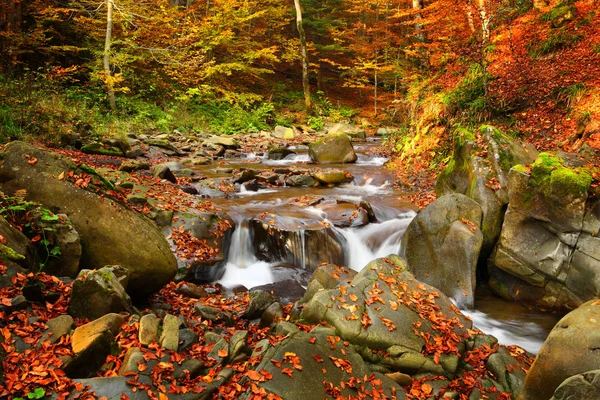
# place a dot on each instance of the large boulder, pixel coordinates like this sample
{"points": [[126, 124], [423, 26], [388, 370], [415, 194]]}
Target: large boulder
{"points": [[375, 312], [110, 232], [296, 367], [549, 240], [571, 349], [442, 245], [300, 241], [332, 149]]}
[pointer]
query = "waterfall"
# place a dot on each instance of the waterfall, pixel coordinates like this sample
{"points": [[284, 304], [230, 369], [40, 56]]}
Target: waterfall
{"points": [[241, 252]]}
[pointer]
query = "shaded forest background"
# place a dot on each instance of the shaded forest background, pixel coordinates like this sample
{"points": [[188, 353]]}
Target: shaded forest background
{"points": [[424, 68]]}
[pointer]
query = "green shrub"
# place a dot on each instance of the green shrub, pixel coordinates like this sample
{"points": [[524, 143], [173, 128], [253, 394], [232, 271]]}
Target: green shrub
{"points": [[555, 42], [469, 95]]}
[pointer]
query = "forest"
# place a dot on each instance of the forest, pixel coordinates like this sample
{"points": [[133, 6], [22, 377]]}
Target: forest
{"points": [[106, 67]]}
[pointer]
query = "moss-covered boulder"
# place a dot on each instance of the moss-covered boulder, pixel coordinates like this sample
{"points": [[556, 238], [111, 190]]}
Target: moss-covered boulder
{"points": [[483, 179], [65, 239], [549, 238], [571, 349], [315, 366], [375, 312], [442, 245], [331, 176], [111, 233], [332, 149]]}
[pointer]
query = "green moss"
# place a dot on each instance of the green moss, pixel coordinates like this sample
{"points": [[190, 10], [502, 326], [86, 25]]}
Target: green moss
{"points": [[8, 254], [560, 11], [555, 179], [89, 170], [520, 168]]}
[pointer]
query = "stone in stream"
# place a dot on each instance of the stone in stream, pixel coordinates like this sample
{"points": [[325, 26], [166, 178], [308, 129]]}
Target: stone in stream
{"points": [[343, 213], [332, 149], [299, 241], [442, 245], [279, 154], [331, 176], [111, 233], [352, 131]]}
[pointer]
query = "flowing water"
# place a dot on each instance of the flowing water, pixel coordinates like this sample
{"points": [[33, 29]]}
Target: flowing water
{"points": [[511, 323]]}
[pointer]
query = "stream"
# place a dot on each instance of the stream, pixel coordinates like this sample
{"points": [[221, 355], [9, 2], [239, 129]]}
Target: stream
{"points": [[511, 323]]}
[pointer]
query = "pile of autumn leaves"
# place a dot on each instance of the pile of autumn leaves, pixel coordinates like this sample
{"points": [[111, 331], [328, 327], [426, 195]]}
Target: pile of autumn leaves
{"points": [[40, 366]]}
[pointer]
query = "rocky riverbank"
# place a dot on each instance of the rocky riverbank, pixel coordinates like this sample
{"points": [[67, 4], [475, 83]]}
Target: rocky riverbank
{"points": [[120, 234]]}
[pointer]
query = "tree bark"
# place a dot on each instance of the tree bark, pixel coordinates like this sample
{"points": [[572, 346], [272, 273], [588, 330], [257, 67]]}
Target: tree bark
{"points": [[304, 50], [109, 81], [418, 5]]}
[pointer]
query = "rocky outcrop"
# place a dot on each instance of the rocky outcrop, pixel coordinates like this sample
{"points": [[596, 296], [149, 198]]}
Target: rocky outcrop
{"points": [[442, 245], [484, 178], [332, 149], [549, 239], [111, 233], [571, 349]]}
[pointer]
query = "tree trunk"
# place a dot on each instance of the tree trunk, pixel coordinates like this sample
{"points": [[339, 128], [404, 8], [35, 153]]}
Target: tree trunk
{"points": [[304, 50], [418, 5], [109, 81]]}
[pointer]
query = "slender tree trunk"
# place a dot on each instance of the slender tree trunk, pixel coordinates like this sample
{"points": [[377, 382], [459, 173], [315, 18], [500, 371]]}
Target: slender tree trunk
{"points": [[418, 5], [109, 81], [304, 50]]}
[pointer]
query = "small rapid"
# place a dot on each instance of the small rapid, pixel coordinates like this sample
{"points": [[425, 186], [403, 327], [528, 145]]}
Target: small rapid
{"points": [[379, 237]]}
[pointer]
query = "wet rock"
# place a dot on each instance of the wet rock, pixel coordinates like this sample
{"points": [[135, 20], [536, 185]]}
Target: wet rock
{"points": [[187, 338], [97, 294], [191, 290], [133, 357], [332, 149], [302, 242], [300, 180], [148, 333], [244, 176], [284, 272], [272, 315], [287, 291], [99, 148], [213, 314], [189, 189], [19, 302], [17, 249], [104, 223], [279, 154], [442, 245], [331, 176], [344, 213], [66, 239], [571, 349]]}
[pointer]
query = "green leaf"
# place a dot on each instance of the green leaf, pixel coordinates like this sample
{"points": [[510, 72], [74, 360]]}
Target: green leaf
{"points": [[37, 393]]}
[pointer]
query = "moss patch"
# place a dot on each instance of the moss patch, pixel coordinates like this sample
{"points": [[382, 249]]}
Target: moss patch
{"points": [[8, 254], [555, 179]]}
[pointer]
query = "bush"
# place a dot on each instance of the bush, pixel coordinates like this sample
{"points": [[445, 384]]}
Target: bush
{"points": [[469, 95], [555, 42]]}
